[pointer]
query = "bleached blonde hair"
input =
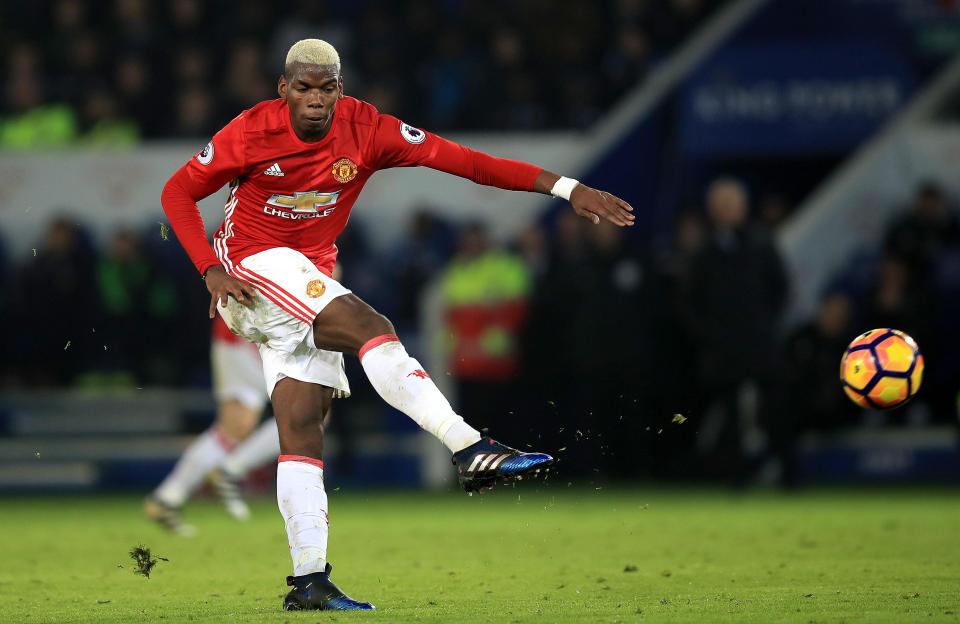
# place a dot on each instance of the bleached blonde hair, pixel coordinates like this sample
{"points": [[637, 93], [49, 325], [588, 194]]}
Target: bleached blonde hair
{"points": [[312, 52]]}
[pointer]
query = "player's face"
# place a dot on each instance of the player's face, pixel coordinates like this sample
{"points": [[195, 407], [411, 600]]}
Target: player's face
{"points": [[311, 93]]}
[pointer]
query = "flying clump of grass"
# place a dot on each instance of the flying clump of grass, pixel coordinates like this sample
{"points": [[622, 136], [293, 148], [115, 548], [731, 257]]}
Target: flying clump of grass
{"points": [[144, 560]]}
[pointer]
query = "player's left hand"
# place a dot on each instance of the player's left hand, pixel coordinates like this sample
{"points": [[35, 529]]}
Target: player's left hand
{"points": [[222, 287], [592, 204]]}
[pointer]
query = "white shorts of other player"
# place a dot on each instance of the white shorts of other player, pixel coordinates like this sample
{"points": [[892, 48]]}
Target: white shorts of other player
{"points": [[237, 374], [291, 292]]}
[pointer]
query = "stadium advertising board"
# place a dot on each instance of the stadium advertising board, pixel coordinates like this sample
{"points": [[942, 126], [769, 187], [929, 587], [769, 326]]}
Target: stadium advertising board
{"points": [[790, 98]]}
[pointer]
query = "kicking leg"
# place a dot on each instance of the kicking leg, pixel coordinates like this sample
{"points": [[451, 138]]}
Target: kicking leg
{"points": [[300, 409], [349, 325]]}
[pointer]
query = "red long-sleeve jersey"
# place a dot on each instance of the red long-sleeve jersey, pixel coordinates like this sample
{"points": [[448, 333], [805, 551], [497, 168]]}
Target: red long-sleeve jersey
{"points": [[285, 192]]}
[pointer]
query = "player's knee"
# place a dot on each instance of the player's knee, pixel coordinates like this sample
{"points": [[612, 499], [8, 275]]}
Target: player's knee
{"points": [[304, 420], [377, 324]]}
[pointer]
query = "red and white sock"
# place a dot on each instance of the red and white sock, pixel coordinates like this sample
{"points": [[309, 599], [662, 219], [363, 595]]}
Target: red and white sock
{"points": [[303, 504], [401, 381], [203, 455], [261, 447]]}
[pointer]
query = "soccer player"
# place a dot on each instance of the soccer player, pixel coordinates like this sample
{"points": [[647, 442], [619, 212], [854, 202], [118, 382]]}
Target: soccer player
{"points": [[296, 166], [229, 449]]}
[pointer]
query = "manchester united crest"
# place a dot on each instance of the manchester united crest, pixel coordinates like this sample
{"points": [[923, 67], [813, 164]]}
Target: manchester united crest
{"points": [[316, 288], [344, 170]]}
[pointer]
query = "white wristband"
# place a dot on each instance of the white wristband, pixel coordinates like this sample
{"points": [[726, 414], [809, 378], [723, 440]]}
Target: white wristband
{"points": [[563, 187]]}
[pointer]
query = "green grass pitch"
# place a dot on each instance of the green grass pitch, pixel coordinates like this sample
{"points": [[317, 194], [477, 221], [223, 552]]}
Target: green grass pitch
{"points": [[524, 554]]}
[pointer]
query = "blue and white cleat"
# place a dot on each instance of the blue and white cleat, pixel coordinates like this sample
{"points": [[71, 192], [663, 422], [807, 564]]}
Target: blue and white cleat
{"points": [[316, 591], [484, 463]]}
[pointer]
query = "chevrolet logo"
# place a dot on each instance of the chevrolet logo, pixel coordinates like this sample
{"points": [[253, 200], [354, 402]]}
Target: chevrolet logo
{"points": [[309, 201]]}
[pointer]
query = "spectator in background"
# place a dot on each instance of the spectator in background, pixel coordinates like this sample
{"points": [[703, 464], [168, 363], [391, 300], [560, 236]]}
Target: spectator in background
{"points": [[68, 17], [132, 290], [53, 312], [417, 259], [103, 123], [675, 260], [449, 79], [624, 64], [915, 291], [188, 20], [133, 27], [922, 235], [485, 292], [676, 347], [615, 290], [195, 112], [773, 210], [29, 122], [192, 67], [83, 65], [735, 292], [551, 365], [895, 300], [23, 58], [245, 83], [458, 49], [522, 108], [813, 399], [531, 244], [904, 300], [137, 96], [593, 284], [69, 21]]}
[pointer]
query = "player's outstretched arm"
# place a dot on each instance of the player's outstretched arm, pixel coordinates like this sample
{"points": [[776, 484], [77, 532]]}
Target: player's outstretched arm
{"points": [[587, 202], [398, 145]]}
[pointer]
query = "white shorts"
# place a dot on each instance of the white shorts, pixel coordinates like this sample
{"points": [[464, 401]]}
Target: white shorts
{"points": [[237, 373], [291, 292]]}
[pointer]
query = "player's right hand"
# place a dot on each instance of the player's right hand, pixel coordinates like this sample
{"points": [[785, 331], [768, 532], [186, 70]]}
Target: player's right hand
{"points": [[222, 287]]}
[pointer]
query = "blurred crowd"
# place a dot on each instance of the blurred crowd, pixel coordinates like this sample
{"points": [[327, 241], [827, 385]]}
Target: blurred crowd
{"points": [[111, 73], [671, 358]]}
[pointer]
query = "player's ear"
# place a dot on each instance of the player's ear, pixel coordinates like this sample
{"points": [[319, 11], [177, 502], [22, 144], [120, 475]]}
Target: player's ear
{"points": [[282, 86], [340, 85]]}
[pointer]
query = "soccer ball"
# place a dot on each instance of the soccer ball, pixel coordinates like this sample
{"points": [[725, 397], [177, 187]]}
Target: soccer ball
{"points": [[881, 369]]}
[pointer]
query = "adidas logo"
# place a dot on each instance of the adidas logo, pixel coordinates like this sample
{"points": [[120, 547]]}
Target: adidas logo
{"points": [[487, 461], [274, 170]]}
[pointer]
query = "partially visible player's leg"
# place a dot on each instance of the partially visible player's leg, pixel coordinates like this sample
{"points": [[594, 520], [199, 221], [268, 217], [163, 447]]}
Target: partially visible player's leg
{"points": [[261, 447], [236, 418], [202, 456], [234, 422], [300, 409], [349, 325], [241, 396]]}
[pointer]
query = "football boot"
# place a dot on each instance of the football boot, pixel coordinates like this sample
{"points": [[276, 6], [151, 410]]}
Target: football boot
{"points": [[487, 462], [168, 517], [317, 592]]}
